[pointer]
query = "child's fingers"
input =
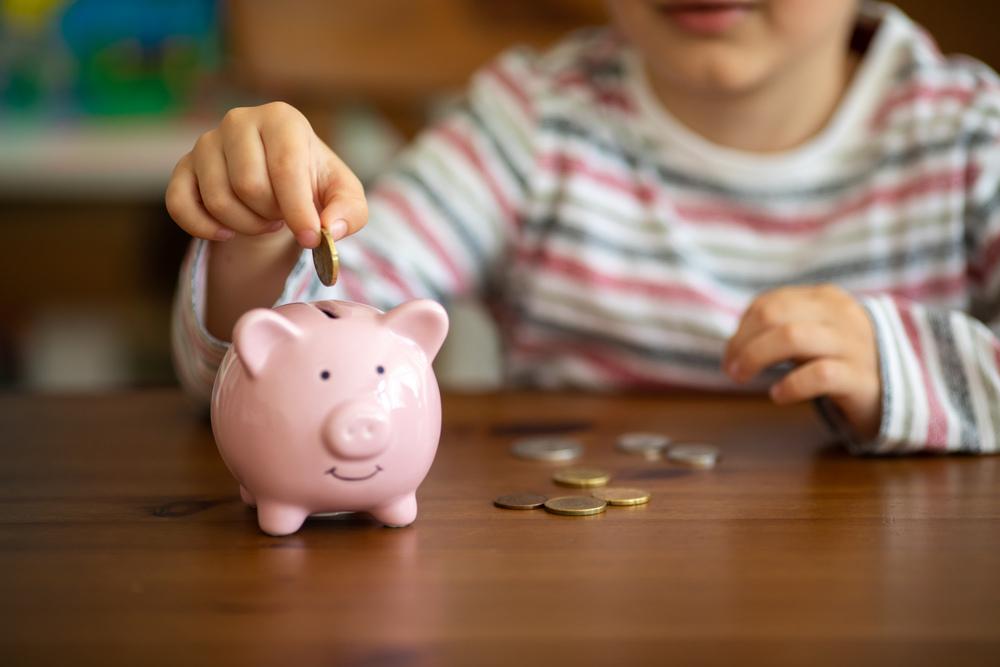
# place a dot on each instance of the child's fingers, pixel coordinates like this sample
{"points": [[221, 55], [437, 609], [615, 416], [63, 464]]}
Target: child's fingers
{"points": [[856, 391], [796, 341], [777, 308], [821, 377], [183, 201], [246, 164], [345, 209], [763, 312], [217, 194], [287, 149]]}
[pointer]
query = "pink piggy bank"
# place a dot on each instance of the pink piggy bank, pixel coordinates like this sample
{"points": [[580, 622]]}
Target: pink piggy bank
{"points": [[330, 406]]}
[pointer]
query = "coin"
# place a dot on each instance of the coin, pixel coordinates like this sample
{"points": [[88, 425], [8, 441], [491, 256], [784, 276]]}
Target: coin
{"points": [[643, 443], [547, 449], [575, 505], [694, 454], [581, 477], [325, 259], [619, 495], [520, 501]]}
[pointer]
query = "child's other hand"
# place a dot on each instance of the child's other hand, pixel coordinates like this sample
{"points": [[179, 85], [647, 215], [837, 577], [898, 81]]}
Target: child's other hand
{"points": [[827, 332], [261, 169]]}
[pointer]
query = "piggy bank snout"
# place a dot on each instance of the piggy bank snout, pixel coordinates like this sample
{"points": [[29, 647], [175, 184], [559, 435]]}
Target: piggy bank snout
{"points": [[357, 430]]}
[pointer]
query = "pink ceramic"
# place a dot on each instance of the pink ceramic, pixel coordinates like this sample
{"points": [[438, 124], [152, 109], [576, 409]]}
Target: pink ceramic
{"points": [[330, 406]]}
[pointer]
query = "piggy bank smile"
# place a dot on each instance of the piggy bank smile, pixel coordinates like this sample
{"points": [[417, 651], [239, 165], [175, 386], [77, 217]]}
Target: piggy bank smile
{"points": [[348, 478]]}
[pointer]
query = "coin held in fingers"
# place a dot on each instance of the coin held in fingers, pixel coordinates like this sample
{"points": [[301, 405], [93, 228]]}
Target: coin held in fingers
{"points": [[325, 259]]}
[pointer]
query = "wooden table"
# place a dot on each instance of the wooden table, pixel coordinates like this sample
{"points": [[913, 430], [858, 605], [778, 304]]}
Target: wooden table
{"points": [[122, 541]]}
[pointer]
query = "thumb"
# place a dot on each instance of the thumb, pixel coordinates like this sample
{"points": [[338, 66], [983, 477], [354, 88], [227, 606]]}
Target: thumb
{"points": [[344, 206]]}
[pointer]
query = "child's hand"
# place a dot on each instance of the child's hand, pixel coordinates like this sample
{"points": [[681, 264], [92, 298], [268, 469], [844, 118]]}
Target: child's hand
{"points": [[261, 169], [828, 333]]}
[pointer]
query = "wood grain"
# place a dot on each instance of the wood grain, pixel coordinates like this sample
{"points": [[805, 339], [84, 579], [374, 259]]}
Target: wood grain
{"points": [[122, 541]]}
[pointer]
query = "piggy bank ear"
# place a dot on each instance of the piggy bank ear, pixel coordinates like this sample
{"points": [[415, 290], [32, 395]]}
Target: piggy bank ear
{"points": [[257, 333], [423, 321]]}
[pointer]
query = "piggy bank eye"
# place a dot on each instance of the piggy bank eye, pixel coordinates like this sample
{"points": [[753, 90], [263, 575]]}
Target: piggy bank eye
{"points": [[325, 375], [380, 369]]}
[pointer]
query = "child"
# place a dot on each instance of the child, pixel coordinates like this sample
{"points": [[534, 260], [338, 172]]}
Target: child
{"points": [[708, 190]]}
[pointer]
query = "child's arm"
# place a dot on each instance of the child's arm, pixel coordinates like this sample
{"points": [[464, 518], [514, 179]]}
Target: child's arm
{"points": [[941, 368], [934, 384], [249, 185], [439, 223], [941, 379], [901, 376]]}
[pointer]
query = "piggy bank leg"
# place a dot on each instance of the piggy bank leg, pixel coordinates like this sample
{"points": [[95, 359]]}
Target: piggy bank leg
{"points": [[246, 497], [279, 519], [400, 512]]}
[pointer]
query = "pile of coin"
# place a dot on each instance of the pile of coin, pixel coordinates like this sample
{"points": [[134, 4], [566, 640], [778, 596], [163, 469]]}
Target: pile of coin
{"points": [[583, 478], [652, 446]]}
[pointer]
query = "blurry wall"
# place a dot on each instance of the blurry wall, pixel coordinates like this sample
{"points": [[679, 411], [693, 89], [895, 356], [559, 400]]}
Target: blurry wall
{"points": [[98, 99], [960, 26]]}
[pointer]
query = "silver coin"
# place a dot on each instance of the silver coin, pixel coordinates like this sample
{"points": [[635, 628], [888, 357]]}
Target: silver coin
{"points": [[694, 454], [643, 443], [547, 449]]}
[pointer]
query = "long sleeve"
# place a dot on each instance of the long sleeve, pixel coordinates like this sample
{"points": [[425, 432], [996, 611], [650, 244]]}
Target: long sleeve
{"points": [[940, 367], [196, 352], [440, 219], [941, 379]]}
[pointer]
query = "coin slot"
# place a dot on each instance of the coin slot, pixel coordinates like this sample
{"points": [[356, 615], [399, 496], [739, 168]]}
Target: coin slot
{"points": [[329, 313]]}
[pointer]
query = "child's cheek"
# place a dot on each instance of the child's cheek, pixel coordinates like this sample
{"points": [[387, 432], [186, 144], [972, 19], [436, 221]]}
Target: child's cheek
{"points": [[799, 23]]}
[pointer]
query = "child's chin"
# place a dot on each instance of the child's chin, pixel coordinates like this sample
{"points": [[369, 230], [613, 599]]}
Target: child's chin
{"points": [[716, 69]]}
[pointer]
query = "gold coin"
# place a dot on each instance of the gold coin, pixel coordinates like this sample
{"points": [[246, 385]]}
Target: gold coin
{"points": [[619, 495], [520, 501], [581, 477], [325, 259], [575, 505]]}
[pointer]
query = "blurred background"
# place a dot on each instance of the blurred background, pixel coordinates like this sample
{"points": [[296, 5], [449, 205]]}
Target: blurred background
{"points": [[99, 98]]}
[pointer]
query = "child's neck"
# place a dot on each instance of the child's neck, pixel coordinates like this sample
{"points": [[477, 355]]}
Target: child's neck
{"points": [[784, 112]]}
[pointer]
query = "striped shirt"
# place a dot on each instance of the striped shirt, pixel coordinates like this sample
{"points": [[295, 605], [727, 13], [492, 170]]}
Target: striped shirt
{"points": [[621, 249]]}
